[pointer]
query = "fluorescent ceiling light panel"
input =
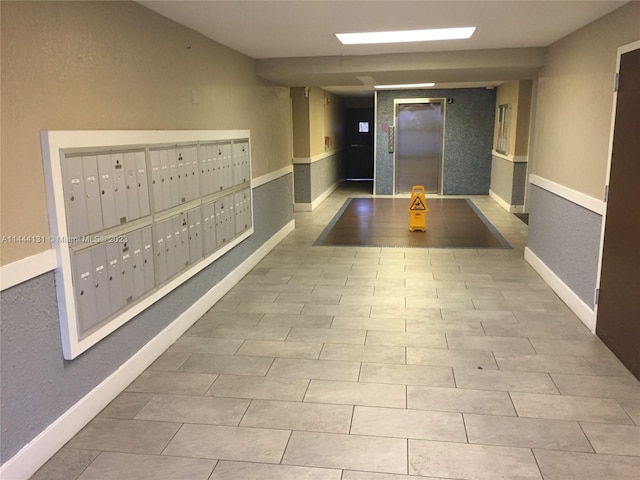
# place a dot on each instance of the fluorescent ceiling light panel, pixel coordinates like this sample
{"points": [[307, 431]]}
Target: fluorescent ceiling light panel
{"points": [[406, 36], [404, 86]]}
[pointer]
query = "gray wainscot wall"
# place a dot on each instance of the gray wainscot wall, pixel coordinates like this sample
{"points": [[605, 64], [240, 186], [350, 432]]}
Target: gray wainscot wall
{"points": [[38, 385], [468, 138], [316, 178], [566, 238], [508, 181]]}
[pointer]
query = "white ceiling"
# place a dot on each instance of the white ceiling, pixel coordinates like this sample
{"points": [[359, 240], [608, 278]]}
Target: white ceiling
{"points": [[287, 37]]}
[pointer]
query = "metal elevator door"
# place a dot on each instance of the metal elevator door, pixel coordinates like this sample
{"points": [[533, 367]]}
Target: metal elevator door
{"points": [[419, 139]]}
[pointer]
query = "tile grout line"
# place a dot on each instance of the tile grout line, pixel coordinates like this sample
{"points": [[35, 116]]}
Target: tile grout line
{"points": [[182, 424], [353, 413], [408, 460], [514, 405], [579, 422], [284, 451], [245, 412], [537, 463], [464, 425]]}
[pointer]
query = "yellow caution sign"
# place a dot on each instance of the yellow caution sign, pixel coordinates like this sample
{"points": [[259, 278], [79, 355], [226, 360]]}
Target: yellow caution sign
{"points": [[418, 209]]}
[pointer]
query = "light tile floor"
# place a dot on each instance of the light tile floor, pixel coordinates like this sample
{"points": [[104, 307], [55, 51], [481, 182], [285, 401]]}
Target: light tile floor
{"points": [[374, 364]]}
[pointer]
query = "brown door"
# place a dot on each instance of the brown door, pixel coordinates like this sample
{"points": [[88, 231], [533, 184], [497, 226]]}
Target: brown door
{"points": [[618, 323]]}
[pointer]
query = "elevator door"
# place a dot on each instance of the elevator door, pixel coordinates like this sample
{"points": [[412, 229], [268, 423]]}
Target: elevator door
{"points": [[419, 140]]}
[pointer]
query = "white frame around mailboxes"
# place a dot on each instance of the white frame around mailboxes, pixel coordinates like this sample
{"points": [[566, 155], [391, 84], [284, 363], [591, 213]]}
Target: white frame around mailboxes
{"points": [[54, 143]]}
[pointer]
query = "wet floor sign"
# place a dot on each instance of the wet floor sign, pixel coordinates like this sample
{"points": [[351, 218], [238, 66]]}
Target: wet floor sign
{"points": [[418, 209]]}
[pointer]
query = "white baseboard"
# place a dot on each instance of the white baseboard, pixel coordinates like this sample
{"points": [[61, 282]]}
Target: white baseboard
{"points": [[508, 207], [310, 207], [302, 207], [33, 455], [568, 296]]}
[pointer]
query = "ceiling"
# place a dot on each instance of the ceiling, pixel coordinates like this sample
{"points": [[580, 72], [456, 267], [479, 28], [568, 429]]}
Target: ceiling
{"points": [[294, 42]]}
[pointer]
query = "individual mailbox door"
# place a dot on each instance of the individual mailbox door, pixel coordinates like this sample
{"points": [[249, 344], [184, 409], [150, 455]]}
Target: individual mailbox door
{"points": [[220, 215], [181, 162], [92, 193], [206, 162], [219, 164], [135, 247], [170, 247], [237, 164], [246, 162], [206, 231], [156, 179], [148, 259], [193, 182], [242, 210], [101, 282], [166, 178], [239, 220], [74, 196], [160, 252], [227, 166], [229, 180], [237, 200], [143, 184], [195, 234], [249, 208], [131, 181], [120, 188], [178, 250], [231, 218], [84, 291], [116, 295], [202, 166], [209, 227], [241, 162], [174, 184], [225, 222], [184, 242], [216, 164], [126, 267], [107, 193]]}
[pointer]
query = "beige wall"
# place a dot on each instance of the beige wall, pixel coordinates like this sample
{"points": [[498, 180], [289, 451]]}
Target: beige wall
{"points": [[574, 102], [117, 65], [523, 124], [300, 121], [326, 118], [516, 93], [316, 114], [507, 94], [334, 120], [316, 121]]}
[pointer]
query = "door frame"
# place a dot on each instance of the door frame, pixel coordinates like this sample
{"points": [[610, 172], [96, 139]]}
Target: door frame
{"points": [[630, 47], [400, 101]]}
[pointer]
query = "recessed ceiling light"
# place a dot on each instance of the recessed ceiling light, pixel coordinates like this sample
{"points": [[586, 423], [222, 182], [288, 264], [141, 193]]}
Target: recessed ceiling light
{"points": [[403, 86], [405, 36]]}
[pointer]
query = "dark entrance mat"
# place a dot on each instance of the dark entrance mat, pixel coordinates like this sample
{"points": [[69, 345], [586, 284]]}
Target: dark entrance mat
{"points": [[384, 222]]}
